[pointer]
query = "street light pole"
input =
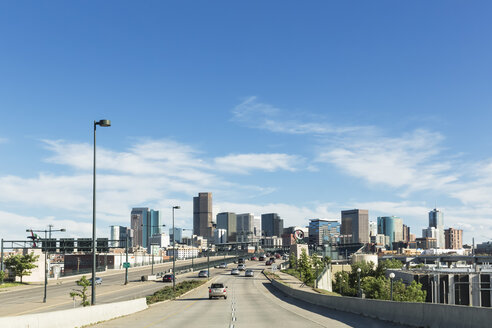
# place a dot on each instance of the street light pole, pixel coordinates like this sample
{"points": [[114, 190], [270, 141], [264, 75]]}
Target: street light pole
{"points": [[174, 252], [102, 123], [358, 278], [126, 266], [392, 276]]}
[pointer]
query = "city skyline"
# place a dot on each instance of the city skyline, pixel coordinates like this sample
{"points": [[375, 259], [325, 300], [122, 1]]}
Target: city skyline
{"points": [[336, 106]]}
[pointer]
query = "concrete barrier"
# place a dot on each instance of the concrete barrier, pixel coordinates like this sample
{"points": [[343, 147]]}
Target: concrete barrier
{"points": [[412, 314], [74, 317]]}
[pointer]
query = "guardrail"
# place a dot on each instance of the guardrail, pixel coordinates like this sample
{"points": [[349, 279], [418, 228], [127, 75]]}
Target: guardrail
{"points": [[412, 314]]}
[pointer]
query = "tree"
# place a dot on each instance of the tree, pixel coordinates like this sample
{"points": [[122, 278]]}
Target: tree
{"points": [[342, 284], [326, 261], [304, 268], [292, 261], [21, 265], [387, 264], [376, 287], [82, 293]]}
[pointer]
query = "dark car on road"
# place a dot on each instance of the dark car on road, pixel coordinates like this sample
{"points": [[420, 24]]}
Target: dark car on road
{"points": [[168, 277]]}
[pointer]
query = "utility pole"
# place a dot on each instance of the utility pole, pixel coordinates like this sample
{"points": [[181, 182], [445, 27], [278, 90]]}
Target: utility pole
{"points": [[126, 266]]}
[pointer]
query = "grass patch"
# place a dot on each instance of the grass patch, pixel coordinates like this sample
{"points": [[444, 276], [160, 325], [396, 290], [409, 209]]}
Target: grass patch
{"points": [[325, 292], [271, 275], [11, 284], [295, 273], [167, 293]]}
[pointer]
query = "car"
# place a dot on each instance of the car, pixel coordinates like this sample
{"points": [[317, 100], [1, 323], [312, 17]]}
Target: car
{"points": [[169, 277], [249, 273], [203, 274], [241, 267], [269, 262], [240, 261], [217, 290], [261, 258], [223, 265], [285, 257], [235, 272], [278, 256], [272, 259], [98, 281], [254, 258]]}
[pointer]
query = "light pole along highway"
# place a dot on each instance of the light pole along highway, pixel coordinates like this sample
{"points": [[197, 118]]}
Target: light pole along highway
{"points": [[46, 247], [102, 123], [174, 252]]}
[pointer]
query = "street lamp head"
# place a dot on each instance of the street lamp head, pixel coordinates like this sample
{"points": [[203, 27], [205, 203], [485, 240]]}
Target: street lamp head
{"points": [[104, 123], [392, 275], [176, 207], [359, 270], [63, 230]]}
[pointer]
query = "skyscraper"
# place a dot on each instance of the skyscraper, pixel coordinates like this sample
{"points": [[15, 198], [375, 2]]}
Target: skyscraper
{"points": [[202, 215], [356, 223], [323, 231], [228, 221], [119, 235], [246, 228], [145, 223], [436, 220], [392, 227], [272, 225]]}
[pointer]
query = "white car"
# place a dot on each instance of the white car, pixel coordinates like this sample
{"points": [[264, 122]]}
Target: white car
{"points": [[241, 267]]}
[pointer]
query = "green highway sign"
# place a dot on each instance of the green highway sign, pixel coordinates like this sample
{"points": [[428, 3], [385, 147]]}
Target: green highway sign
{"points": [[126, 264]]}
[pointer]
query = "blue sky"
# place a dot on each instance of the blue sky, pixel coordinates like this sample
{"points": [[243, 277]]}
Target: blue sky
{"points": [[279, 106]]}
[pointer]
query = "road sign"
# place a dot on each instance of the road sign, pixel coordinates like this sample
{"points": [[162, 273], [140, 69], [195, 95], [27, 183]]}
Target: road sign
{"points": [[126, 264]]}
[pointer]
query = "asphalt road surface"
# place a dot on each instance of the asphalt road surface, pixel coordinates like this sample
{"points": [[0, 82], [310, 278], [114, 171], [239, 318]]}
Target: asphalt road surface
{"points": [[29, 299], [251, 302]]}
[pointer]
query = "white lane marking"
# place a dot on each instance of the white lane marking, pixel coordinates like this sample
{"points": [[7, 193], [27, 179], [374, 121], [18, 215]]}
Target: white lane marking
{"points": [[234, 319], [231, 326]]}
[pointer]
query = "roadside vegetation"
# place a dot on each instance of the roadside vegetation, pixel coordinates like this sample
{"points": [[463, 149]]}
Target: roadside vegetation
{"points": [[375, 285], [82, 293], [166, 293], [21, 265], [307, 268]]}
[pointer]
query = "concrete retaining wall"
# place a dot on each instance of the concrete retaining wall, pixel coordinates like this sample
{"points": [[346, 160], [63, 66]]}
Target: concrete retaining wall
{"points": [[413, 314], [74, 317]]}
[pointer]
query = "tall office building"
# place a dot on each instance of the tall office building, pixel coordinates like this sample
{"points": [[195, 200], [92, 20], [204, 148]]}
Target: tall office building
{"points": [[429, 232], [119, 235], [272, 225], [323, 231], [356, 223], [228, 221], [246, 231], [392, 227], [373, 228], [436, 220], [145, 223], [453, 238], [406, 233], [202, 215], [177, 234]]}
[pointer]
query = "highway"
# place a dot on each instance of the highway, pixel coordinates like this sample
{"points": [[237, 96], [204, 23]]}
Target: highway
{"points": [[251, 302], [29, 299]]}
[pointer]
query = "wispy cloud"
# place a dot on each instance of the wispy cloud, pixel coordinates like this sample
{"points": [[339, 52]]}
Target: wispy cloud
{"points": [[413, 161], [255, 114], [245, 163]]}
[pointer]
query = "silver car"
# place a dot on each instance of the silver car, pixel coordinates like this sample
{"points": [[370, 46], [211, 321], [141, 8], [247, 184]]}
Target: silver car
{"points": [[249, 273], [235, 272], [217, 290]]}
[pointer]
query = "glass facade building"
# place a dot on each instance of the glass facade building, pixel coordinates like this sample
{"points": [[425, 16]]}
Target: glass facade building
{"points": [[392, 227]]}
